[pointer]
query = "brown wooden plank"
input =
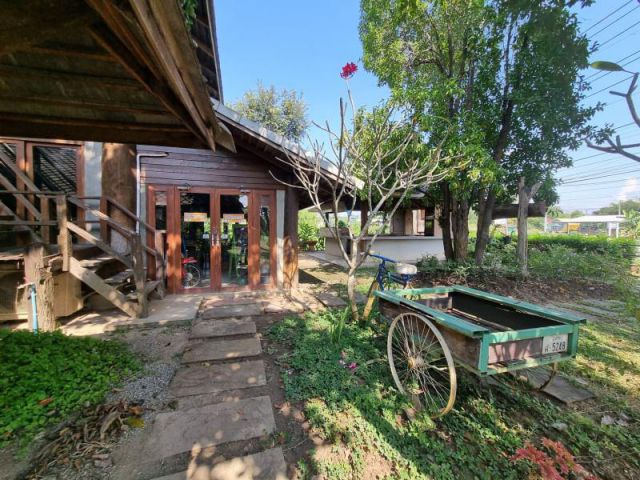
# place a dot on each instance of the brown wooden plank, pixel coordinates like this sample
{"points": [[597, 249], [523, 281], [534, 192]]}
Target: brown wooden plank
{"points": [[37, 273], [64, 238], [87, 236], [99, 286], [108, 220], [139, 276]]}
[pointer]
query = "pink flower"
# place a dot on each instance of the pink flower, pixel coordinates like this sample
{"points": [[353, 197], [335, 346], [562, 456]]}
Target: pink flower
{"points": [[348, 70]]}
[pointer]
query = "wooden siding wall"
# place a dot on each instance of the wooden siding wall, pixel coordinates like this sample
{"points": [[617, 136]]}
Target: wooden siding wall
{"points": [[204, 168]]}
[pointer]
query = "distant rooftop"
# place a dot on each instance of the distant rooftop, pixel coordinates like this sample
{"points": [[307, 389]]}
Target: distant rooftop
{"points": [[593, 219]]}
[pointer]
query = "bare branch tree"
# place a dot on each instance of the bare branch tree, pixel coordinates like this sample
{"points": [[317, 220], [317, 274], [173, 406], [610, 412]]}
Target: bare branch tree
{"points": [[616, 146], [366, 167]]}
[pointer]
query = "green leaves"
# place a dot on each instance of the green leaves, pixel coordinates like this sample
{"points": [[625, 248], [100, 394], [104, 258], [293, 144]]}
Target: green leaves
{"points": [[607, 66], [45, 377]]}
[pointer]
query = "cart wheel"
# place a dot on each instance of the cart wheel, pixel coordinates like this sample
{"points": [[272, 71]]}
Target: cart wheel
{"points": [[421, 363]]}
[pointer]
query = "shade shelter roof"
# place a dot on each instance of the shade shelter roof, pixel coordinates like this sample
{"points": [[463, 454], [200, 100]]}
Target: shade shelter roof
{"points": [[126, 71]]}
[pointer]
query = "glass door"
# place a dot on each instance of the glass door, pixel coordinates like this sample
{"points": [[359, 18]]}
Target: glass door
{"points": [[234, 239], [196, 239]]}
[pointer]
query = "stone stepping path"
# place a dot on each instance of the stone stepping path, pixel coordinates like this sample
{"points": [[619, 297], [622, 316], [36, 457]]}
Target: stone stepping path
{"points": [[222, 328], [330, 301], [200, 379], [220, 349], [210, 412], [176, 432], [267, 465]]}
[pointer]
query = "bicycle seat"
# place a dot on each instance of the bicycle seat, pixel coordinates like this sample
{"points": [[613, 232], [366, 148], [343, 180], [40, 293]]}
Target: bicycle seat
{"points": [[405, 269], [189, 260]]}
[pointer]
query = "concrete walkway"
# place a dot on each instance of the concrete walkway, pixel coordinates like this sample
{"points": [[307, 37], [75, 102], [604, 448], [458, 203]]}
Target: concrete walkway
{"points": [[218, 427]]}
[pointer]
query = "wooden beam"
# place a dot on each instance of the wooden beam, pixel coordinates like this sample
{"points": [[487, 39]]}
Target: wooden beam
{"points": [[139, 275], [102, 288], [17, 72], [13, 102], [116, 125], [511, 211], [93, 240], [64, 239], [41, 276], [69, 50], [291, 206], [149, 82], [30, 22]]}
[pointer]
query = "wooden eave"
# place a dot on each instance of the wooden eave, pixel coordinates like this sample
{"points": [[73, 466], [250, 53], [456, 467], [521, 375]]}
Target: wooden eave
{"points": [[125, 71]]}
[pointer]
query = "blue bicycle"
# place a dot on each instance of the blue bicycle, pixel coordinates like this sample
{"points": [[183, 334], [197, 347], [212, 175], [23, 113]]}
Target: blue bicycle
{"points": [[387, 277]]}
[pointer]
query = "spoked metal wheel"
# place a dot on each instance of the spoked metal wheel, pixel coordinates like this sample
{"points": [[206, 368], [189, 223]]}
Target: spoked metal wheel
{"points": [[421, 363], [190, 276]]}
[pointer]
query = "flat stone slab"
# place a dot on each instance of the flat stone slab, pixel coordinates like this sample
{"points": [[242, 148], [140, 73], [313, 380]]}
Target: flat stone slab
{"points": [[330, 301], [240, 310], [199, 379], [222, 349], [177, 432], [221, 328], [560, 387]]}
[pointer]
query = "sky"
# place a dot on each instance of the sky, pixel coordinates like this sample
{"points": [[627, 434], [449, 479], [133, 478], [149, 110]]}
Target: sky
{"points": [[302, 45]]}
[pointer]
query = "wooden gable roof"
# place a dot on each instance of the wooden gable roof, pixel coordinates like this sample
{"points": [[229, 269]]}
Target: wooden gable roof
{"points": [[124, 71]]}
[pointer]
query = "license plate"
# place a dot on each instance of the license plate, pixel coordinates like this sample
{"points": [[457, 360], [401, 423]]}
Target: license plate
{"points": [[555, 343]]}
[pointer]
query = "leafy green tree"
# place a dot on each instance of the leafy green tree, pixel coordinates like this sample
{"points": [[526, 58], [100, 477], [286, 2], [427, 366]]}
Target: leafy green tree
{"points": [[283, 112], [631, 227], [496, 81], [615, 207]]}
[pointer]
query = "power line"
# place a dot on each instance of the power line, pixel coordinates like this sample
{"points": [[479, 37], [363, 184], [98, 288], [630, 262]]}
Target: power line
{"points": [[609, 183], [579, 180], [615, 21], [608, 87], [607, 16], [617, 35]]}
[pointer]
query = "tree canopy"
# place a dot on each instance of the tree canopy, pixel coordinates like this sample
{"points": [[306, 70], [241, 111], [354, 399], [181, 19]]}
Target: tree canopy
{"points": [[495, 81], [618, 207], [282, 111]]}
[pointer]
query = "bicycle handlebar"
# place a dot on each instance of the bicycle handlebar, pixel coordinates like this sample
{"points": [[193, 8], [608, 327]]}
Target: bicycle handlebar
{"points": [[384, 259]]}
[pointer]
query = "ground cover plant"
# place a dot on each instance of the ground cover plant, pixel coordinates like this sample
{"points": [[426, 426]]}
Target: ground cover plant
{"points": [[496, 430], [46, 377]]}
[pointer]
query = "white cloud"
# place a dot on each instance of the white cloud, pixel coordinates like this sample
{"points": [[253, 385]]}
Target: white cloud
{"points": [[630, 190]]}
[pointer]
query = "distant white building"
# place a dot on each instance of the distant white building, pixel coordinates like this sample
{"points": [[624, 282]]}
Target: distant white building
{"points": [[589, 224]]}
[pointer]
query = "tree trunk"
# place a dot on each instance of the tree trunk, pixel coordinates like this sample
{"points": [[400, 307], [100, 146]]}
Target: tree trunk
{"points": [[445, 222], [484, 225], [524, 195], [352, 282], [119, 183], [460, 217]]}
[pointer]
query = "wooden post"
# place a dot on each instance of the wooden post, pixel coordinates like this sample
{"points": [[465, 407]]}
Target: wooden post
{"points": [[37, 273], [291, 201], [160, 262], [137, 257], [64, 236]]}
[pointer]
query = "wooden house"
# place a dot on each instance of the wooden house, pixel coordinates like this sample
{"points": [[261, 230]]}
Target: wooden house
{"points": [[122, 172]]}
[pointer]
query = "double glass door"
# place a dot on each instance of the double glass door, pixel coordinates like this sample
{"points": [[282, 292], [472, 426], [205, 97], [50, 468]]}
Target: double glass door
{"points": [[221, 239]]}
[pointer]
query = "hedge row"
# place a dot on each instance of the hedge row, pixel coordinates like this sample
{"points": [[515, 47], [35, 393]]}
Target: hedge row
{"points": [[618, 247]]}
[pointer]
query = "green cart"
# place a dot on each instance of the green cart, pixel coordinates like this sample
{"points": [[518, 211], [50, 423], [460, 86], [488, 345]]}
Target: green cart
{"points": [[433, 329]]}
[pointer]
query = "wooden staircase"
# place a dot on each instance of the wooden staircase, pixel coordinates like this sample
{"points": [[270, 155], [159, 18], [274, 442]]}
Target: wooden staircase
{"points": [[117, 274]]}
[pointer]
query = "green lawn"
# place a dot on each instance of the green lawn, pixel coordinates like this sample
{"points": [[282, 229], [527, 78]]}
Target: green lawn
{"points": [[45, 377], [361, 417]]}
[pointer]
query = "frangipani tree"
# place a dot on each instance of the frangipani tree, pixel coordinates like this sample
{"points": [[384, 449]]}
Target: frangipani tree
{"points": [[374, 158]]}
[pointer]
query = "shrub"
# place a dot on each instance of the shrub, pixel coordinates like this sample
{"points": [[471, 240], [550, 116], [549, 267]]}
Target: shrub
{"points": [[615, 247], [308, 231], [45, 377]]}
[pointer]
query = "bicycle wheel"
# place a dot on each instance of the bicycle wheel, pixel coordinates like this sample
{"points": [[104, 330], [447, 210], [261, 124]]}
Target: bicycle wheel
{"points": [[190, 276], [421, 363]]}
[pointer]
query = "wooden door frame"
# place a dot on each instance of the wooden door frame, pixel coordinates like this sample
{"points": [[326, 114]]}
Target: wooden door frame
{"points": [[174, 240]]}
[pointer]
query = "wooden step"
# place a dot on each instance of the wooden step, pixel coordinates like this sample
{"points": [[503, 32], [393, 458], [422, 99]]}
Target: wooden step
{"points": [[119, 278], [149, 286], [98, 284], [96, 262]]}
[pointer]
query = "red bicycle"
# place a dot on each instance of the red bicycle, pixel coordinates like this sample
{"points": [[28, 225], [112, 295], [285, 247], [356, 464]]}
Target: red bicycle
{"points": [[190, 273]]}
